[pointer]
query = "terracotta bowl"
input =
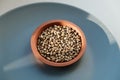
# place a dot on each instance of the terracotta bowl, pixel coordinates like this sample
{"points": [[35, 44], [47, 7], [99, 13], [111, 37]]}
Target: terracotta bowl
{"points": [[47, 24]]}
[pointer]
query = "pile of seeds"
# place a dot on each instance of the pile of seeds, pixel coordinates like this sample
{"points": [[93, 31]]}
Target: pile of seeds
{"points": [[59, 43]]}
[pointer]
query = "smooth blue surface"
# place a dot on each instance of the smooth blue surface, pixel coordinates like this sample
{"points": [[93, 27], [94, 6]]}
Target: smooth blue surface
{"points": [[100, 62]]}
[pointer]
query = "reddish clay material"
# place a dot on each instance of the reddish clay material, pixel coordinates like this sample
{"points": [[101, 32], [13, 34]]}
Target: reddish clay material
{"points": [[47, 24]]}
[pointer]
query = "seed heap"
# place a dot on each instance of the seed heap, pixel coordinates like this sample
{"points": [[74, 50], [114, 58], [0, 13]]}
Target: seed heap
{"points": [[59, 43]]}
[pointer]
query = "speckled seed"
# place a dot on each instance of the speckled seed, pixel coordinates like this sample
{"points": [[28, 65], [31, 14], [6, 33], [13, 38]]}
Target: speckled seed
{"points": [[59, 43]]}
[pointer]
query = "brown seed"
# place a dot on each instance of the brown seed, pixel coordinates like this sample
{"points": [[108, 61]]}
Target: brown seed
{"points": [[59, 43]]}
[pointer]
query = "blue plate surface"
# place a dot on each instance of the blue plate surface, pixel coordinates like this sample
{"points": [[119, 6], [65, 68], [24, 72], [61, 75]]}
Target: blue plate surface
{"points": [[100, 62]]}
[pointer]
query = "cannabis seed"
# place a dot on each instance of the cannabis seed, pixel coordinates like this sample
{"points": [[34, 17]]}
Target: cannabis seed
{"points": [[59, 43]]}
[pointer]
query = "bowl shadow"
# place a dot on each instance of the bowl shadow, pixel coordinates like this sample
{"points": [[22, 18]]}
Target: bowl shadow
{"points": [[58, 71]]}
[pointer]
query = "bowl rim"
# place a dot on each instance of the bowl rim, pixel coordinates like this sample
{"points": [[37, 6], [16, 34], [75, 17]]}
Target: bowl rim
{"points": [[40, 58]]}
